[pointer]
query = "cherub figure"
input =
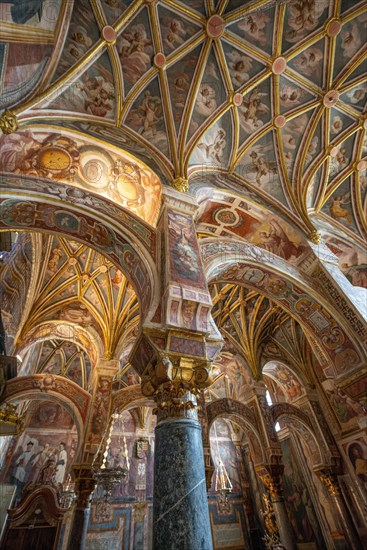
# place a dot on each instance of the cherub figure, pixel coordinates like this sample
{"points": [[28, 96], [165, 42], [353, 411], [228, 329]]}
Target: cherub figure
{"points": [[98, 94], [174, 35], [135, 52], [149, 109], [261, 167], [214, 150], [252, 109]]}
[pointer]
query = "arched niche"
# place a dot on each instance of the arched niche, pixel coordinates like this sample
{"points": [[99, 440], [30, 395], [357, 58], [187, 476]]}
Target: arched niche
{"points": [[60, 357], [70, 332]]}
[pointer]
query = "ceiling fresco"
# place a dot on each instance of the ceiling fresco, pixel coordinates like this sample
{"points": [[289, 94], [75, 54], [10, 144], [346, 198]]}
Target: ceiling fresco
{"points": [[83, 164], [271, 96], [80, 288], [228, 215], [261, 106]]}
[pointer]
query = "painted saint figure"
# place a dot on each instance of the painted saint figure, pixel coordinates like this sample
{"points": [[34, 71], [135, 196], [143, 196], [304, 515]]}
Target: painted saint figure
{"points": [[23, 467], [61, 464]]}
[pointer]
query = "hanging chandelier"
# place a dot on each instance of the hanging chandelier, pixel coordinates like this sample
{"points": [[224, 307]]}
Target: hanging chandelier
{"points": [[108, 477], [223, 484]]}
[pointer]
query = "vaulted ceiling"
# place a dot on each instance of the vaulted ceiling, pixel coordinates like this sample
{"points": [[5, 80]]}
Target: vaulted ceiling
{"points": [[269, 95], [264, 101]]}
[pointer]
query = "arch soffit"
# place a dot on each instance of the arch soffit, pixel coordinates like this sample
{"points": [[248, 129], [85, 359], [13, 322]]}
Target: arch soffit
{"points": [[52, 388], [227, 407], [239, 263], [31, 204]]}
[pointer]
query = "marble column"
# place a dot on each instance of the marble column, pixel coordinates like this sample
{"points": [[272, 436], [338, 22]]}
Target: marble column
{"points": [[180, 503], [346, 523], [84, 487], [180, 506]]}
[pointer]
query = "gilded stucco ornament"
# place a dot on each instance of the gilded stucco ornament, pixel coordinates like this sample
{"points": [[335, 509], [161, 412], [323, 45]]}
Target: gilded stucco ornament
{"points": [[273, 484], [315, 237], [181, 184], [8, 122], [10, 421], [272, 537], [331, 483]]}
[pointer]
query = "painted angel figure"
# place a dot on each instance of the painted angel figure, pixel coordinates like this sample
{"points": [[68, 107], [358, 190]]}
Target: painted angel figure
{"points": [[251, 109], [261, 168], [214, 150], [98, 95], [310, 61], [173, 33], [135, 53], [304, 17], [181, 85], [291, 96], [339, 162], [255, 25], [206, 102], [149, 111], [351, 41], [337, 209], [80, 42], [239, 67]]}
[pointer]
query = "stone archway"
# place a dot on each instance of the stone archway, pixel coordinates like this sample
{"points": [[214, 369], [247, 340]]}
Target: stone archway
{"points": [[247, 265], [30, 204], [244, 416], [298, 419]]}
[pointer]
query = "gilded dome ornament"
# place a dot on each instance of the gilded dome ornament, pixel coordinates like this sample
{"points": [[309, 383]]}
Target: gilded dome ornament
{"points": [[8, 122], [315, 237]]}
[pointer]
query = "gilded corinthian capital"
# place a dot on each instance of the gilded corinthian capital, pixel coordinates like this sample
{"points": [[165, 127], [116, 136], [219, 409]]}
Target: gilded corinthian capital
{"points": [[174, 382]]}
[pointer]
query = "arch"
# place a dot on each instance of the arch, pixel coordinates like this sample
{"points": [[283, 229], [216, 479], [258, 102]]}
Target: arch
{"points": [[32, 204], [64, 330], [294, 417], [239, 263], [245, 418], [128, 397], [52, 388], [292, 383]]}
